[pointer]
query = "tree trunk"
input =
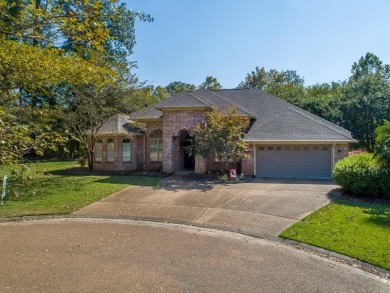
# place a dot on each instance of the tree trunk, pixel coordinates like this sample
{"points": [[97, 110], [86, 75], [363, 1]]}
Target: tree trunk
{"points": [[90, 160]]}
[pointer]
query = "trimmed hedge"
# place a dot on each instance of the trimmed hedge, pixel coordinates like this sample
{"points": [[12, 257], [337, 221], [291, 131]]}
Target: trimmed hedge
{"points": [[361, 174]]}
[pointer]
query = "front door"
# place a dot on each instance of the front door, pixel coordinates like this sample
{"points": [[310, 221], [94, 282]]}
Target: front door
{"points": [[189, 160]]}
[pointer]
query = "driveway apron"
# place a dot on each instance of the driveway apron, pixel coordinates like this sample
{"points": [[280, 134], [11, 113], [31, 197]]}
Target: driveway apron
{"points": [[260, 208]]}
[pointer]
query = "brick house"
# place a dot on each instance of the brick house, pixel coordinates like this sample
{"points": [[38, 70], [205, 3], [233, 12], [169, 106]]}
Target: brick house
{"points": [[283, 140]]}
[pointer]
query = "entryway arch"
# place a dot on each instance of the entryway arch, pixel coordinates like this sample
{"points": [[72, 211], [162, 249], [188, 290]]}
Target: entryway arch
{"points": [[186, 161]]}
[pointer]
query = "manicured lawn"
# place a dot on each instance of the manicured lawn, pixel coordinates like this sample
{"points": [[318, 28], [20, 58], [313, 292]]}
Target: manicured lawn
{"points": [[54, 191], [357, 229]]}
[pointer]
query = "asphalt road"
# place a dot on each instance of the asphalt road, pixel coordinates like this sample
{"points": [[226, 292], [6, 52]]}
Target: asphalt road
{"points": [[93, 255]]}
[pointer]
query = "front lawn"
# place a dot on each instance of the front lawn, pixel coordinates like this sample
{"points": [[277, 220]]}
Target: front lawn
{"points": [[354, 228], [55, 191]]}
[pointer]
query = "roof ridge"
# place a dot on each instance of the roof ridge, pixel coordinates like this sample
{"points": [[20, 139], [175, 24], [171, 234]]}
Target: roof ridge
{"points": [[171, 98], [229, 102], [199, 99], [268, 121], [290, 109], [296, 107], [320, 123]]}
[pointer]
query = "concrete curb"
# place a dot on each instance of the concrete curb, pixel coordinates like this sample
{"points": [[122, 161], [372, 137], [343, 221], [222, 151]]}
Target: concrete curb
{"points": [[377, 271]]}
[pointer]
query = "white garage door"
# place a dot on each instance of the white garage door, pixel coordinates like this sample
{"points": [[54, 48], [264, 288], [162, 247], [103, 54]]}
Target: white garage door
{"points": [[293, 161]]}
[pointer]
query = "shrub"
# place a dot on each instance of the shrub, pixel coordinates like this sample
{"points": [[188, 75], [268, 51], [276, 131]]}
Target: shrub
{"points": [[355, 152], [82, 161], [362, 175]]}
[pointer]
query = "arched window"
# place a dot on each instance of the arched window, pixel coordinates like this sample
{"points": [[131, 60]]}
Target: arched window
{"points": [[110, 150], [99, 150], [126, 150], [156, 145]]}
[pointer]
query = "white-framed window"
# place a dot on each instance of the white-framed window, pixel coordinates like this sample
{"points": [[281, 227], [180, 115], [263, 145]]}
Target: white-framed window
{"points": [[110, 150], [156, 145], [325, 148], [126, 150], [270, 148], [278, 148], [261, 148], [99, 150]]}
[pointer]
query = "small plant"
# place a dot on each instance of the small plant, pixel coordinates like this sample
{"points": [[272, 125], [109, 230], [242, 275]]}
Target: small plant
{"points": [[223, 177], [82, 161], [141, 166]]}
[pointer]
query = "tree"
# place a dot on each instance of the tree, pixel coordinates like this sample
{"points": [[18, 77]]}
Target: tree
{"points": [[47, 42], [222, 135], [287, 85], [178, 87], [211, 83], [367, 99], [90, 108], [383, 143], [325, 100]]}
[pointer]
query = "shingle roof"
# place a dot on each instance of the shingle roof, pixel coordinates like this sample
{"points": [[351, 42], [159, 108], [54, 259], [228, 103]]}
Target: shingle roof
{"points": [[276, 120], [118, 124], [147, 113]]}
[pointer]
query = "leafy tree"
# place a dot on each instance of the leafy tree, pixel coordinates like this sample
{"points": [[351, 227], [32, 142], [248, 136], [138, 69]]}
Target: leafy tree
{"points": [[90, 108], [178, 87], [325, 100], [287, 85], [383, 143], [211, 83], [220, 134], [367, 99]]}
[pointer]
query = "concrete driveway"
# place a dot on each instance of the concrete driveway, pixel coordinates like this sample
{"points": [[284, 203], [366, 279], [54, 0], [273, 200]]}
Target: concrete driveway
{"points": [[261, 208]]}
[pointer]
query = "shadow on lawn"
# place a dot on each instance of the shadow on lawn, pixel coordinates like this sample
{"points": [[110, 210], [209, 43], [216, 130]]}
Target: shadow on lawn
{"points": [[109, 177], [378, 210]]}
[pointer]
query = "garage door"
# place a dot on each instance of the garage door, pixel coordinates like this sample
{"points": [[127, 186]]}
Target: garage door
{"points": [[293, 161]]}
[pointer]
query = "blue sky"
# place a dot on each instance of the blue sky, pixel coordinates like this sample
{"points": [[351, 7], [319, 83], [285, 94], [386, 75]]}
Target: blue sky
{"points": [[320, 39]]}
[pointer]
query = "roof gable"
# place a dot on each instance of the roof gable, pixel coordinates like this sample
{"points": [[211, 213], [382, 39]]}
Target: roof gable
{"points": [[292, 125]]}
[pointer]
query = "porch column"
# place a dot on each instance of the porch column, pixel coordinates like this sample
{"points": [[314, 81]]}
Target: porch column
{"points": [[200, 165]]}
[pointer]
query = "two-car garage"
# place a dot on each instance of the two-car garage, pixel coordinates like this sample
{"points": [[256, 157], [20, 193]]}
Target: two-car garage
{"points": [[293, 161]]}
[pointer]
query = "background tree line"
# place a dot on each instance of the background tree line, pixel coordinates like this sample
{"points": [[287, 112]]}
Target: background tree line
{"points": [[65, 70]]}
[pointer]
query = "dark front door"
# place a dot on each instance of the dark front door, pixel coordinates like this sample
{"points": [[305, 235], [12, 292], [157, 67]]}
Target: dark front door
{"points": [[189, 160]]}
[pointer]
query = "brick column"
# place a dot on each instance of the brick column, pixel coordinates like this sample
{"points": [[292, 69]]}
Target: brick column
{"points": [[340, 151], [247, 164], [200, 165]]}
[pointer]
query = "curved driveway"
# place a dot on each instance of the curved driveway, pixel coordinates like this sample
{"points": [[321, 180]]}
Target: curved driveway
{"points": [[86, 255]]}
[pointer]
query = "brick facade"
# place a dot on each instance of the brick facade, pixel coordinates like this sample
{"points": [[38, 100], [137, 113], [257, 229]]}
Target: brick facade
{"points": [[247, 164], [175, 126], [173, 123], [118, 164], [340, 151]]}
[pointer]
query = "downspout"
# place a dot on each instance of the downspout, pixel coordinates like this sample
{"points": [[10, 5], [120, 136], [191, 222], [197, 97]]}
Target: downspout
{"points": [[144, 157], [332, 154]]}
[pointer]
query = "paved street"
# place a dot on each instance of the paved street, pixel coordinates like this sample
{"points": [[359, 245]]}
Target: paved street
{"points": [[92, 255]]}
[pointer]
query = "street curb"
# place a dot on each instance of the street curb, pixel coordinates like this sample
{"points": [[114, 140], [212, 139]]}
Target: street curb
{"points": [[380, 272]]}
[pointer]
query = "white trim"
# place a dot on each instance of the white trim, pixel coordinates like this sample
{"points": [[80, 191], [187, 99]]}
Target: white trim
{"points": [[332, 159], [298, 141], [255, 161]]}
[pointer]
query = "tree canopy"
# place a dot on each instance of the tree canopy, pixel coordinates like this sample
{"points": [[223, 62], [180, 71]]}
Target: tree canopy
{"points": [[211, 83], [221, 135]]}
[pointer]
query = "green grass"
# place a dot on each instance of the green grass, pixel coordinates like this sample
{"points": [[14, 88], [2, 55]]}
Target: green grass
{"points": [[54, 191], [357, 229]]}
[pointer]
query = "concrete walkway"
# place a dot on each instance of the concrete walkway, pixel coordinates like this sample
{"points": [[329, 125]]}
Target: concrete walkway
{"points": [[261, 208]]}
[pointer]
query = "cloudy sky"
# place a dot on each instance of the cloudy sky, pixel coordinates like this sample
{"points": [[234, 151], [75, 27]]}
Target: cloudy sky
{"points": [[320, 39]]}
